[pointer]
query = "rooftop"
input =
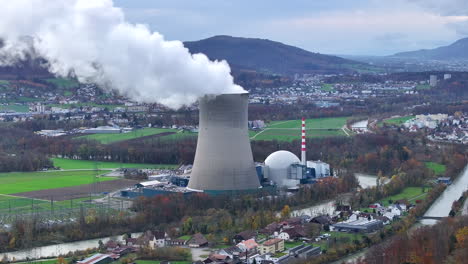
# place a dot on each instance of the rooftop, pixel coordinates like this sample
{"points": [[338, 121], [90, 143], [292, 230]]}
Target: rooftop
{"points": [[272, 241]]}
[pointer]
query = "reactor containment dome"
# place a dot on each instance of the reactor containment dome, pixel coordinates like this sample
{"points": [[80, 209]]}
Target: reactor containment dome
{"points": [[223, 159], [279, 167]]}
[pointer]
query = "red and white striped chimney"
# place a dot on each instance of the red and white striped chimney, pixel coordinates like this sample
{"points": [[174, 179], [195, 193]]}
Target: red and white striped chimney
{"points": [[303, 143]]}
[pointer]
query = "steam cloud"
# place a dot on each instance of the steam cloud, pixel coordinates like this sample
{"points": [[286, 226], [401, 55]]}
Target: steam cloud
{"points": [[91, 40]]}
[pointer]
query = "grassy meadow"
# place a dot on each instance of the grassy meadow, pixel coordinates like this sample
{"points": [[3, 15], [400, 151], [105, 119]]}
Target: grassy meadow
{"points": [[70, 164], [112, 138], [17, 182]]}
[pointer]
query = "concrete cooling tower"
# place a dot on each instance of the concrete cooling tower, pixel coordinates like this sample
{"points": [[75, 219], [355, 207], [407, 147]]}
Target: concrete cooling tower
{"points": [[223, 160]]}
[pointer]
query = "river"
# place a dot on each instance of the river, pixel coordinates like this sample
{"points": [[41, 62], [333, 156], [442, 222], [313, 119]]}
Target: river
{"points": [[60, 249], [328, 207], [361, 126], [442, 206]]}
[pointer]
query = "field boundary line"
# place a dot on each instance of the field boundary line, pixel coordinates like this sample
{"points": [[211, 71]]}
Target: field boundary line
{"points": [[260, 133], [22, 197]]}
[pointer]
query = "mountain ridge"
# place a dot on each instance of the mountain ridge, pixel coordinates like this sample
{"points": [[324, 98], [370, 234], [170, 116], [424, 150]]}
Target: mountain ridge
{"points": [[269, 56], [456, 50]]}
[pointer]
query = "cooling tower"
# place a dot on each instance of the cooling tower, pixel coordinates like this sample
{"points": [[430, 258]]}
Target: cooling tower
{"points": [[223, 160]]}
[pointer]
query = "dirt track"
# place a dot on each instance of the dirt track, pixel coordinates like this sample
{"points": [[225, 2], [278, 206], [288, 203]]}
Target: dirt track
{"points": [[68, 193]]}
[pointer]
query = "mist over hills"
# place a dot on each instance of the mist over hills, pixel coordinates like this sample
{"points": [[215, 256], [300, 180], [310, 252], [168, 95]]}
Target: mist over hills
{"points": [[270, 56], [456, 51]]}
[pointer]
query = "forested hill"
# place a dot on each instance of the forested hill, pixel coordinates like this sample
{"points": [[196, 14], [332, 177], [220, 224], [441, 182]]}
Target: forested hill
{"points": [[268, 56], [455, 51]]}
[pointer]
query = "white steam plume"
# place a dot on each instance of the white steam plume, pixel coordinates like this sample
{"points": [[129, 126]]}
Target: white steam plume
{"points": [[92, 40]]}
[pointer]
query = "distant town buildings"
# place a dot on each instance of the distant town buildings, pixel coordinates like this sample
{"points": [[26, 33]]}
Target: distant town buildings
{"points": [[433, 80]]}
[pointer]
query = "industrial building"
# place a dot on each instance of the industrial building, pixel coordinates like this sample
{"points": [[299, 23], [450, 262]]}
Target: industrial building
{"points": [[358, 226], [433, 80], [223, 158], [224, 161], [103, 130], [284, 169]]}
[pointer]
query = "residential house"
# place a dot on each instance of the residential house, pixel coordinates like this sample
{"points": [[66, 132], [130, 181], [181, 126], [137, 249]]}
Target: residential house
{"points": [[245, 235], [292, 234], [158, 239], [197, 240], [272, 246], [271, 228], [230, 251], [323, 220], [248, 246]]}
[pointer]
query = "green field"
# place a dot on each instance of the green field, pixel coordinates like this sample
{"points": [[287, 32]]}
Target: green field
{"points": [[112, 138], [16, 108], [290, 134], [63, 83], [17, 182], [439, 169], [158, 261], [16, 204], [69, 164], [68, 106], [410, 193], [316, 123], [176, 136], [326, 87], [398, 120], [423, 87], [291, 129]]}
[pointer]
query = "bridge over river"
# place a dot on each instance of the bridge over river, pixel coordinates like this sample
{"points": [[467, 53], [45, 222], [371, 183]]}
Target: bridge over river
{"points": [[442, 206]]}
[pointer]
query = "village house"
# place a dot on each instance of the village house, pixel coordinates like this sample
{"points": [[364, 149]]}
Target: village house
{"points": [[244, 235], [272, 246], [248, 246], [197, 240]]}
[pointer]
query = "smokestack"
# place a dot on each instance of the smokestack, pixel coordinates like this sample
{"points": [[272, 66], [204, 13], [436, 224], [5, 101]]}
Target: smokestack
{"points": [[303, 144], [223, 160]]}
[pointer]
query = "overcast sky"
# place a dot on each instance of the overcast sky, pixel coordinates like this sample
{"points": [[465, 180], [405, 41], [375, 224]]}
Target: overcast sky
{"points": [[355, 27]]}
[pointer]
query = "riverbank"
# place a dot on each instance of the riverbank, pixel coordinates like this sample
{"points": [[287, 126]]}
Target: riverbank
{"points": [[442, 201]]}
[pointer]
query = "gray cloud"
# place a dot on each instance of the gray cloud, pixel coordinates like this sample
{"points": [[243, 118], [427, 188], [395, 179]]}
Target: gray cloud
{"points": [[445, 7]]}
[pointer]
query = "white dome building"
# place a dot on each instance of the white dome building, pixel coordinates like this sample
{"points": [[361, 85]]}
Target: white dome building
{"points": [[278, 168]]}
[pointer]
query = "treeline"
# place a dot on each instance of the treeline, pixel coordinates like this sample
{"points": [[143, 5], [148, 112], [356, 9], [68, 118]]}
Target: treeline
{"points": [[444, 242], [337, 252], [19, 151], [222, 215], [371, 153]]}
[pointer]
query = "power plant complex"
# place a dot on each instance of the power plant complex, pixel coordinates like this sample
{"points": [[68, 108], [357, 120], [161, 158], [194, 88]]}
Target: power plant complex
{"points": [[224, 161]]}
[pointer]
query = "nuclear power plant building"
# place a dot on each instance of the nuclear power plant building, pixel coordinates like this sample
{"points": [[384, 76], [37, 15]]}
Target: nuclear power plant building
{"points": [[223, 158]]}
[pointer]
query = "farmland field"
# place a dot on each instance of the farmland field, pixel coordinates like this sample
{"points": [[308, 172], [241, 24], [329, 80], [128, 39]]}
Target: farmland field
{"points": [[17, 182], [326, 87], [63, 83], [16, 108], [398, 120], [409, 193], [112, 138], [291, 129], [316, 123], [438, 168], [68, 106], [69, 164], [290, 134]]}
